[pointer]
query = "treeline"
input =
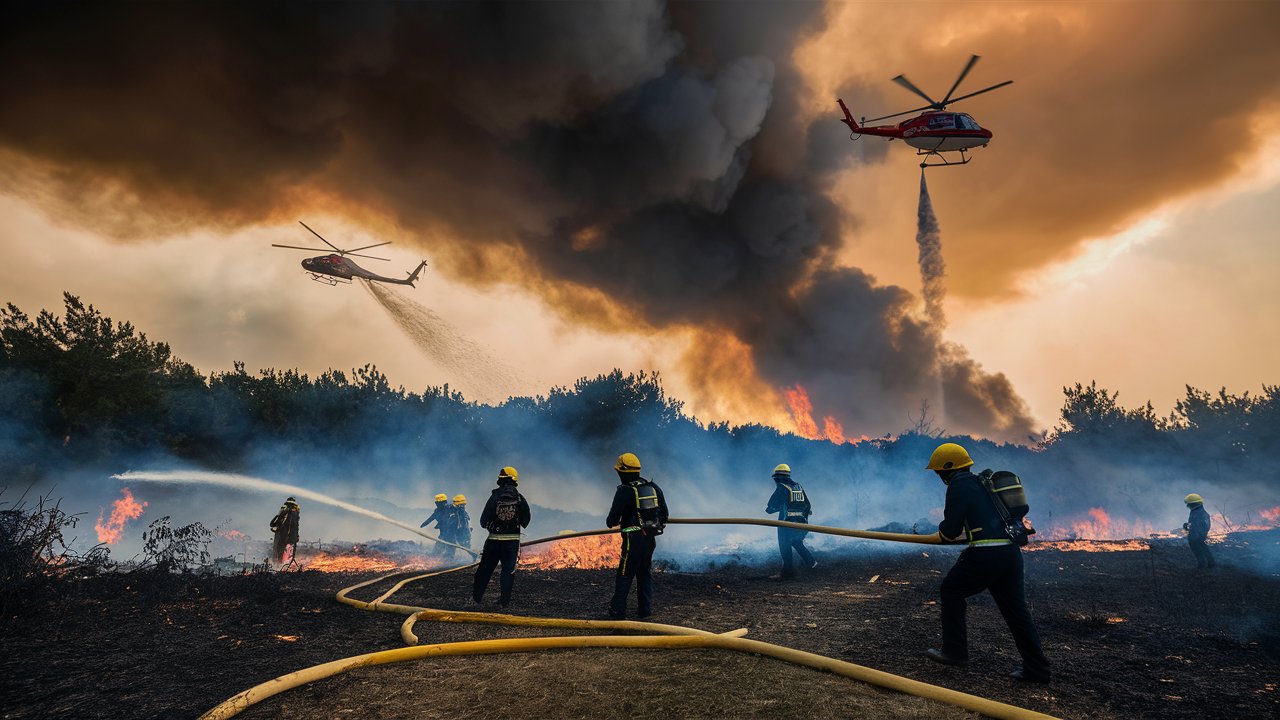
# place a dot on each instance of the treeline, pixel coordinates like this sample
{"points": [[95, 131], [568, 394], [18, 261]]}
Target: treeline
{"points": [[82, 389]]}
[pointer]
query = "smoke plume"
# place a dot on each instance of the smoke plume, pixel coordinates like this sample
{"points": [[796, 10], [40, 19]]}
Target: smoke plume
{"points": [[638, 167]]}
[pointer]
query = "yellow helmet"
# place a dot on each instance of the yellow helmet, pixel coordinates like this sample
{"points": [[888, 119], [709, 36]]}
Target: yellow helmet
{"points": [[782, 468], [442, 498], [459, 499], [1193, 499], [949, 456], [628, 462], [509, 473]]}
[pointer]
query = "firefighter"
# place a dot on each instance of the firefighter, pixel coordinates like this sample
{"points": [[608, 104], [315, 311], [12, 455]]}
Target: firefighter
{"points": [[444, 520], [640, 509], [504, 515], [285, 528], [1197, 527], [792, 505], [990, 562], [462, 525]]}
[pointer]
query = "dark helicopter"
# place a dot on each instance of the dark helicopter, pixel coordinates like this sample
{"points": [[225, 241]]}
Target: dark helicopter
{"points": [[332, 269]]}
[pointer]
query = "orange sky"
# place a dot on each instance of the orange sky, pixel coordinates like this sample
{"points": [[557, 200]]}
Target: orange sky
{"points": [[1119, 228]]}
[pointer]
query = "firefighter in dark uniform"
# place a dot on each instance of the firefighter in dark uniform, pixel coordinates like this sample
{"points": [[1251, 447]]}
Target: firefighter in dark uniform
{"points": [[443, 517], [792, 505], [462, 526], [991, 562], [285, 527], [640, 509], [1197, 527], [504, 515]]}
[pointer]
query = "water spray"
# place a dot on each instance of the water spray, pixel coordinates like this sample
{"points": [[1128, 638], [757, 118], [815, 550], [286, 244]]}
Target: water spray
{"points": [[446, 345], [244, 482]]}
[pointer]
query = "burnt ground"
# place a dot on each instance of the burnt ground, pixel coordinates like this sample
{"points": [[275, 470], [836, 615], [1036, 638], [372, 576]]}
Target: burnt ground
{"points": [[1131, 635]]}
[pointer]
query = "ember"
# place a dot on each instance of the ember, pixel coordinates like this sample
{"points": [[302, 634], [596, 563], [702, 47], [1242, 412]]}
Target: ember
{"points": [[1089, 545], [122, 511], [590, 552], [364, 562]]}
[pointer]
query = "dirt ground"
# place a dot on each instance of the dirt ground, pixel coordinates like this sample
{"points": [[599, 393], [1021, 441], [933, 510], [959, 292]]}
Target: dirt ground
{"points": [[1130, 635]]}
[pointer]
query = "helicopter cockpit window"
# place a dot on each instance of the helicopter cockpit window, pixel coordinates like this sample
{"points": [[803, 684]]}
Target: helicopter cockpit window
{"points": [[968, 122], [942, 122]]}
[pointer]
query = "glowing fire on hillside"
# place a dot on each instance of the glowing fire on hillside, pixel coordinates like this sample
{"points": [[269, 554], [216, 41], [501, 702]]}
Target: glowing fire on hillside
{"points": [[591, 552], [123, 510], [806, 426]]}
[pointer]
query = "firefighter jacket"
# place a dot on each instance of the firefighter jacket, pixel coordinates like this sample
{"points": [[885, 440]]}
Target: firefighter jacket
{"points": [[442, 516], [789, 501], [462, 530], [625, 513], [505, 513], [970, 515], [285, 523], [1198, 524]]}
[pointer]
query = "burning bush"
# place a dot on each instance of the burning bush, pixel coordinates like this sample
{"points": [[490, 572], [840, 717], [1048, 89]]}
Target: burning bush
{"points": [[35, 556]]}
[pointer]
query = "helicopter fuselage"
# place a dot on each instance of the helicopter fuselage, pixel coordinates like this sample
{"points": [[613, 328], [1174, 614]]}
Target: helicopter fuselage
{"points": [[340, 267]]}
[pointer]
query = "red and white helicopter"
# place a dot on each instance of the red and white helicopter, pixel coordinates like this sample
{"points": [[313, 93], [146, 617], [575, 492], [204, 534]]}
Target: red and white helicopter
{"points": [[934, 131], [334, 268]]}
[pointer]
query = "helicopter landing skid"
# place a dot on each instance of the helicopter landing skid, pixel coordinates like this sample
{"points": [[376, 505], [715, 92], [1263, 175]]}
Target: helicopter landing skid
{"points": [[964, 159], [327, 279]]}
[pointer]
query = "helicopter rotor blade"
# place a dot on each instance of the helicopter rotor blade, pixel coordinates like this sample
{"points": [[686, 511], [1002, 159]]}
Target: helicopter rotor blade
{"points": [[973, 60], [299, 247], [366, 247], [904, 82], [904, 112], [313, 232], [365, 256], [993, 87]]}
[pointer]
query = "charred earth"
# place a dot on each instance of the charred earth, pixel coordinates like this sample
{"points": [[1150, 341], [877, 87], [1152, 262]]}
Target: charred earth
{"points": [[1131, 633]]}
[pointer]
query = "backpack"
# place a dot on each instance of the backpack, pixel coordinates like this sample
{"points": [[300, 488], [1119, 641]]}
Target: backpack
{"points": [[506, 510], [647, 508], [1010, 501], [796, 501]]}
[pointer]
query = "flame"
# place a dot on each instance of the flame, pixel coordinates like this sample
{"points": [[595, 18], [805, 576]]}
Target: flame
{"points": [[590, 552], [833, 430], [806, 426], [122, 511], [1099, 526], [1272, 514], [234, 535], [802, 412]]}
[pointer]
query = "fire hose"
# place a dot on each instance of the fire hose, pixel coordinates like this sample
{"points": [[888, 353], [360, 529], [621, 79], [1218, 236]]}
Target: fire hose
{"points": [[666, 636]]}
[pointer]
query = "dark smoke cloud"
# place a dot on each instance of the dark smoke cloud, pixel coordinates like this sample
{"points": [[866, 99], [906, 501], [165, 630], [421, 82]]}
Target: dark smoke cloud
{"points": [[656, 156]]}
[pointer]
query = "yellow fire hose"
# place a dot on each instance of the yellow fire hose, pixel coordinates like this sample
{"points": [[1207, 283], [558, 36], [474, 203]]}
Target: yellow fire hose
{"points": [[669, 636]]}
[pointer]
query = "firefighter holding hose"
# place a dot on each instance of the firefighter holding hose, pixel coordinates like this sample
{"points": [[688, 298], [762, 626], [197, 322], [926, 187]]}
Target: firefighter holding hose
{"points": [[792, 505], [285, 528], [640, 509], [444, 519], [991, 562], [504, 515], [1197, 527]]}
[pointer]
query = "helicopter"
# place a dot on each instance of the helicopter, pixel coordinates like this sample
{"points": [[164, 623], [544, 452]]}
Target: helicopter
{"points": [[332, 269], [934, 131]]}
